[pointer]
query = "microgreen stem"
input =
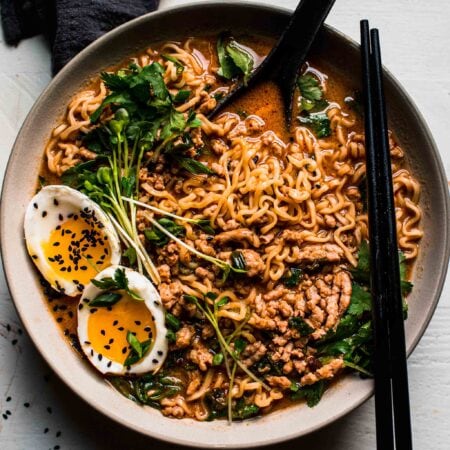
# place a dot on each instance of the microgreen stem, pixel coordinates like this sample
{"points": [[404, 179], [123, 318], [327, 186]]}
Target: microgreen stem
{"points": [[142, 254], [218, 262], [159, 211], [230, 394]]}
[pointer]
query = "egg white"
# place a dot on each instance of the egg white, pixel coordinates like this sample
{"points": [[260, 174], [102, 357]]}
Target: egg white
{"points": [[43, 215], [140, 285]]}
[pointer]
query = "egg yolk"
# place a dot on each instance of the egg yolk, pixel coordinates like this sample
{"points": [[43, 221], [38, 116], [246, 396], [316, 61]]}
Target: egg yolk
{"points": [[108, 327], [77, 250]]}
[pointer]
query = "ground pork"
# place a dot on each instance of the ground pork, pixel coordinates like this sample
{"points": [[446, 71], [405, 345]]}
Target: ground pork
{"points": [[253, 353], [240, 235], [279, 382], [326, 372], [200, 355], [184, 337]]}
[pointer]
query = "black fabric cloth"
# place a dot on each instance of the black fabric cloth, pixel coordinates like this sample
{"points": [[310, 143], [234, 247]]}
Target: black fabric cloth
{"points": [[69, 25]]}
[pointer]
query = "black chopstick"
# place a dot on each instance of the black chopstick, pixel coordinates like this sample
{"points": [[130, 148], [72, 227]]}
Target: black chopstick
{"points": [[390, 371]]}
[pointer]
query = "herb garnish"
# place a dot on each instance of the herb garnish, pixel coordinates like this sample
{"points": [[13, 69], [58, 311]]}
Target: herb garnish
{"points": [[318, 122], [138, 349], [299, 324], [147, 389], [312, 105], [159, 238], [118, 282], [234, 60], [312, 393], [352, 338], [144, 120], [293, 277], [106, 299]]}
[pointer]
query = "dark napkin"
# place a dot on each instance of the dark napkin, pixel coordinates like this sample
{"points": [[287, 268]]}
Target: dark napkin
{"points": [[69, 25]]}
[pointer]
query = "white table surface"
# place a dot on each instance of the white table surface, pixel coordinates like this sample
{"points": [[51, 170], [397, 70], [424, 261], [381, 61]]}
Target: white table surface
{"points": [[416, 42]]}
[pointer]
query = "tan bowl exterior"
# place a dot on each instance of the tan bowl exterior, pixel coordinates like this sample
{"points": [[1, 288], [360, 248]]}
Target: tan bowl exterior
{"points": [[20, 182]]}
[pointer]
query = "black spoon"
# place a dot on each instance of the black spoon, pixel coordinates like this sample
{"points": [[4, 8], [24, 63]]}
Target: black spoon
{"points": [[285, 59]]}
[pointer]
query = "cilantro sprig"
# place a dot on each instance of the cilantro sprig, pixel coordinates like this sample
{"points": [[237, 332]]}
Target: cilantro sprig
{"points": [[118, 282], [352, 338], [312, 105]]}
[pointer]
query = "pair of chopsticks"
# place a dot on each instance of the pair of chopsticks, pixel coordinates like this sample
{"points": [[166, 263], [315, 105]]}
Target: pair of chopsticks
{"points": [[393, 423]]}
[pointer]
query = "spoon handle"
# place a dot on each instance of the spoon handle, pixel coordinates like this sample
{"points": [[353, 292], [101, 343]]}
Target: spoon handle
{"points": [[285, 59]]}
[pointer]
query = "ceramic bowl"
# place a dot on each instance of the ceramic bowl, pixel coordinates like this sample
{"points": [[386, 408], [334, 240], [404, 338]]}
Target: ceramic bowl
{"points": [[20, 184]]}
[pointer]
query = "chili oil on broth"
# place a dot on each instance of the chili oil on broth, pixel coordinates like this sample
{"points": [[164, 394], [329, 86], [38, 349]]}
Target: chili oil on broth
{"points": [[258, 113]]}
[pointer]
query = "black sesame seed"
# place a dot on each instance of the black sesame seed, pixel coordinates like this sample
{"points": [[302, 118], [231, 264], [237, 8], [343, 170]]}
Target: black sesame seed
{"points": [[8, 327], [147, 329], [8, 412], [109, 364], [35, 206], [55, 202], [115, 323], [154, 361], [100, 356], [80, 306], [34, 256], [108, 347], [5, 416], [111, 341], [14, 342], [46, 431], [49, 410], [121, 328], [160, 353], [55, 244], [137, 322], [124, 350], [44, 213], [26, 404], [56, 447], [58, 433], [103, 332], [59, 319], [8, 399]]}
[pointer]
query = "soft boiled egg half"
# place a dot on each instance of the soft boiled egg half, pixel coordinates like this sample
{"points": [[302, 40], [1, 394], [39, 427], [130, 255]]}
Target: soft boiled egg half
{"points": [[69, 238], [122, 331]]}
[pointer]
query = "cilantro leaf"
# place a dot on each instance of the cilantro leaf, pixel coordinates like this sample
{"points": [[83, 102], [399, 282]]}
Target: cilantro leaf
{"points": [[130, 254], [311, 94], [293, 277], [309, 87], [360, 302], [299, 324], [319, 123], [119, 282], [241, 58], [234, 60], [181, 96], [312, 393]]}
